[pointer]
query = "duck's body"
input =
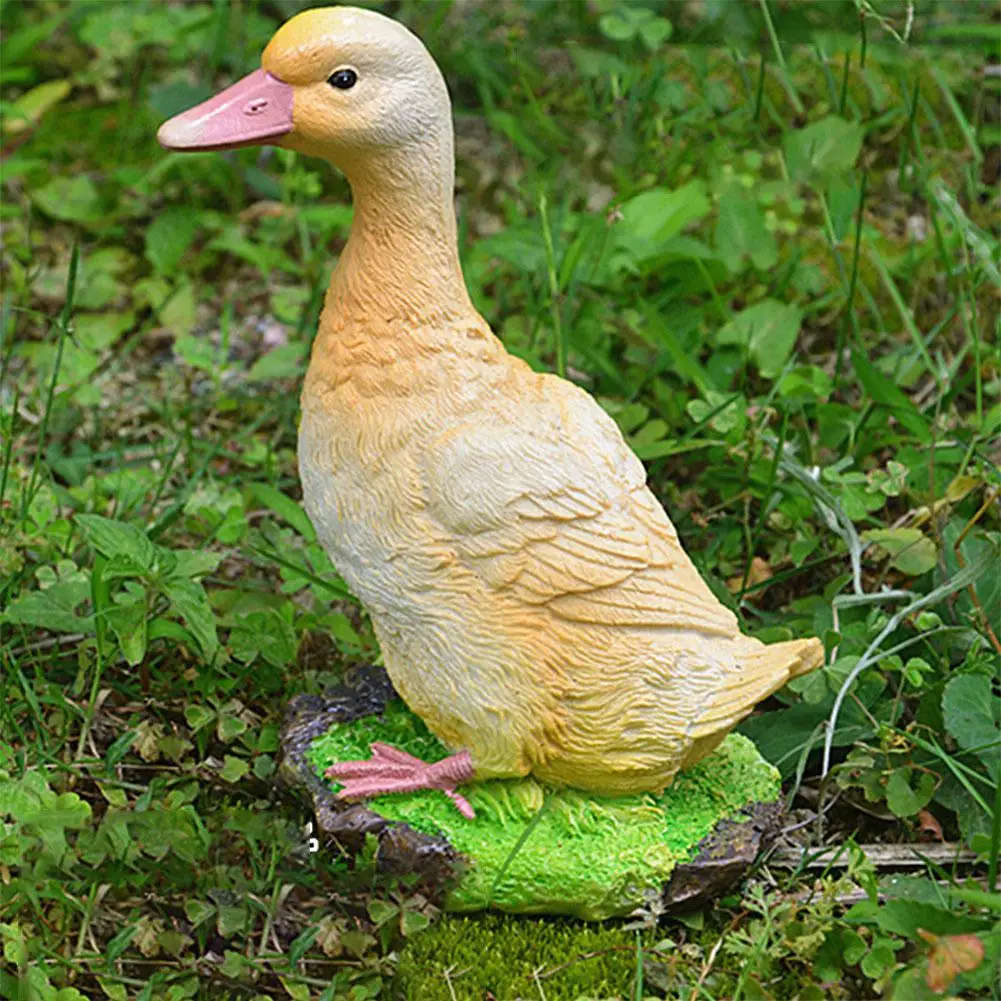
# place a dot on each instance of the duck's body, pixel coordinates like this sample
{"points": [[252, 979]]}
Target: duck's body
{"points": [[533, 603], [530, 596]]}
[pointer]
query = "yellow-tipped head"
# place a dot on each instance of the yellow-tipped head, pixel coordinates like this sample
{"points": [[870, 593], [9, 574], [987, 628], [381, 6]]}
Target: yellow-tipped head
{"points": [[334, 82]]}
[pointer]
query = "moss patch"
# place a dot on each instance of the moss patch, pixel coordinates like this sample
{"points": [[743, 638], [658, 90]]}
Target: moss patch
{"points": [[463, 958], [587, 856]]}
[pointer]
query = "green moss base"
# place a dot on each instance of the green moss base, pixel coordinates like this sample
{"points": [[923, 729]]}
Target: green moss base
{"points": [[539, 850]]}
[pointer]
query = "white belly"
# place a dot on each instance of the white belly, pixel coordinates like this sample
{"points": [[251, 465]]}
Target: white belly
{"points": [[361, 509], [441, 634]]}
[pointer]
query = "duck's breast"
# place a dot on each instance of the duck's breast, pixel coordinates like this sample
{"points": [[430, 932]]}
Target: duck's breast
{"points": [[363, 493]]}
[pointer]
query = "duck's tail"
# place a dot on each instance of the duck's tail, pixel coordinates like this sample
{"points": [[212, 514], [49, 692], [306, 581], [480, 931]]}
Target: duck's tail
{"points": [[762, 671]]}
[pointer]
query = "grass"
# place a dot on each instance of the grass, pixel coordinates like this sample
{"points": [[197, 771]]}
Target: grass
{"points": [[764, 236]]}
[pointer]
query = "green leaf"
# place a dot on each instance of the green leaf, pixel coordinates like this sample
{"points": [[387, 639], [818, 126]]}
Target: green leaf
{"points": [[511, 125], [843, 198], [632, 21], [15, 949], [296, 991], [116, 538], [233, 768], [783, 735], [198, 716], [302, 944], [128, 619], [274, 500], [69, 199], [823, 149], [53, 608], [198, 352], [98, 331], [234, 965], [267, 258], [178, 312], [724, 413], [169, 99], [972, 715], [909, 549], [164, 629], [194, 562], [412, 922], [884, 392], [381, 911], [741, 232], [767, 331], [905, 917], [974, 821], [29, 108], [229, 728], [264, 767], [24, 43], [651, 219], [853, 946], [880, 958], [189, 598], [617, 25], [232, 917], [595, 64], [284, 362], [263, 634], [654, 32], [169, 236], [117, 946], [903, 799], [807, 383], [659, 449]]}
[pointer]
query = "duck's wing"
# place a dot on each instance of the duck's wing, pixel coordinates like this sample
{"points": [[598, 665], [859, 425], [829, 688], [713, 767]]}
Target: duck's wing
{"points": [[550, 505]]}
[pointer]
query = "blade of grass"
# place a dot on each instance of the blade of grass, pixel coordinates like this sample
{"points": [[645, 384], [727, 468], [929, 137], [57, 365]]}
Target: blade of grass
{"points": [[516, 847], [5, 356], [554, 288], [638, 976], [995, 849], [850, 317], [910, 146], [957, 113], [763, 510], [221, 19], [780, 58], [905, 313], [685, 363], [843, 99], [321, 582], [63, 327], [759, 95]]}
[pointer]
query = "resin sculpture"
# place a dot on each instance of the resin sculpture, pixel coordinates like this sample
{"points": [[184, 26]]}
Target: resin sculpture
{"points": [[531, 598]]}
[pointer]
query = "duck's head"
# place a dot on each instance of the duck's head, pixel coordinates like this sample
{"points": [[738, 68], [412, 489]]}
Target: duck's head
{"points": [[336, 82]]}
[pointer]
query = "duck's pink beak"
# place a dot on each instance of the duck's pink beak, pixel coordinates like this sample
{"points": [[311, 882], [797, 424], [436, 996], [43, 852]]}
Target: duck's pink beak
{"points": [[255, 110]]}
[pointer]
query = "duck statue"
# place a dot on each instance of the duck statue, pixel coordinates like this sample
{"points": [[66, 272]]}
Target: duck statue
{"points": [[531, 598]]}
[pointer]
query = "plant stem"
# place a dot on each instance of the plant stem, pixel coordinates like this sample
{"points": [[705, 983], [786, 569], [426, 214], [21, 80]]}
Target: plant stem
{"points": [[779, 58]]}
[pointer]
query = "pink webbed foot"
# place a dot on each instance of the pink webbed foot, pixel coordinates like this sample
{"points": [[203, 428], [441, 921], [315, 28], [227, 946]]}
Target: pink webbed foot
{"points": [[391, 770]]}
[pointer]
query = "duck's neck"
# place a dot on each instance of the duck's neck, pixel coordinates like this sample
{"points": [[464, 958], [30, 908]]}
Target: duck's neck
{"points": [[400, 268]]}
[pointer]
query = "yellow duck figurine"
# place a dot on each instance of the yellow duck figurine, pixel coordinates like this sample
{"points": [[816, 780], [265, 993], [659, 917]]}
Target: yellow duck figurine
{"points": [[533, 603]]}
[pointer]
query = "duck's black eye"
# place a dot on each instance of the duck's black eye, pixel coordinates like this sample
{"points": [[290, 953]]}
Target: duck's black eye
{"points": [[343, 79]]}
